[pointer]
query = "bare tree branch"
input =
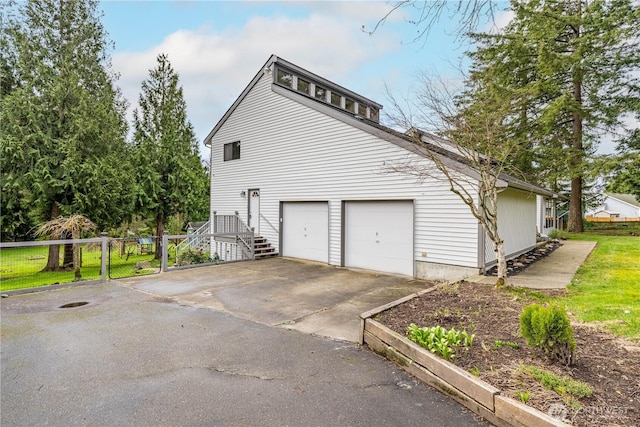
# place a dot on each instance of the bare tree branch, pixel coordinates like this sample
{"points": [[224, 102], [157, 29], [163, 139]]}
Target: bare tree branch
{"points": [[467, 145], [425, 14]]}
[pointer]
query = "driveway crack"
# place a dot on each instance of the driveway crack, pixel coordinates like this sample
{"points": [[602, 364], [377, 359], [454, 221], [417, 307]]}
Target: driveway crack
{"points": [[235, 373]]}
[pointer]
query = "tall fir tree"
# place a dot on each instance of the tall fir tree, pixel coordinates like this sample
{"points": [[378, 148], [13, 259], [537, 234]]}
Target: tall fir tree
{"points": [[574, 63], [62, 123], [171, 176], [626, 170]]}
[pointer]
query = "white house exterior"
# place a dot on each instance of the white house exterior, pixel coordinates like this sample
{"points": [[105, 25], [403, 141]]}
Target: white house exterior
{"points": [[312, 177], [546, 214], [619, 207]]}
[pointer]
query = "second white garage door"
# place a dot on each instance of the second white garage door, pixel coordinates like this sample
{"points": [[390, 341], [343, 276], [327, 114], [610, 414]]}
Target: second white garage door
{"points": [[305, 230], [379, 236]]}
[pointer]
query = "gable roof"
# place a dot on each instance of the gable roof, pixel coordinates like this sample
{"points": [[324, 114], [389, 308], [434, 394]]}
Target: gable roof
{"points": [[426, 142], [267, 68], [629, 199]]}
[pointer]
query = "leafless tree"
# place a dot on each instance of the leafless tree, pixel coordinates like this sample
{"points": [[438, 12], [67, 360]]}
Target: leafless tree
{"points": [[466, 145], [73, 225], [425, 14]]}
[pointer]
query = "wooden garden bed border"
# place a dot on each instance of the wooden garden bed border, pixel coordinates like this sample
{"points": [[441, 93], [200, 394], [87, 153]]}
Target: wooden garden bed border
{"points": [[478, 396]]}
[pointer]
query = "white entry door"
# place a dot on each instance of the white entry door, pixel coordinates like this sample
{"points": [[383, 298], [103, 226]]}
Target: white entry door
{"points": [[254, 209], [379, 236], [305, 230]]}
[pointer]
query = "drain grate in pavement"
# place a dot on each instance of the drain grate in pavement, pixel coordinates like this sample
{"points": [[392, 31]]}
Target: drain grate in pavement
{"points": [[74, 304]]}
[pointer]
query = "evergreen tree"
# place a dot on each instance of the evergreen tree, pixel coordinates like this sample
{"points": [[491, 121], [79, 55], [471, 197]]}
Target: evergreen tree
{"points": [[170, 173], [573, 61], [626, 174], [62, 124]]}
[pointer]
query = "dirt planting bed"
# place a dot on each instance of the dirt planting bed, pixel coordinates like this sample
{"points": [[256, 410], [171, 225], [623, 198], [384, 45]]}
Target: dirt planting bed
{"points": [[500, 356]]}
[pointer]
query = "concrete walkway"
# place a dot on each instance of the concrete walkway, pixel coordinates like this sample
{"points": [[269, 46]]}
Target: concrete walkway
{"points": [[556, 271]]}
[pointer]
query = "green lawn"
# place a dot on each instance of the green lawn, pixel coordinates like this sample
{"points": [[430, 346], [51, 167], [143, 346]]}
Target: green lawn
{"points": [[20, 268], [607, 286]]}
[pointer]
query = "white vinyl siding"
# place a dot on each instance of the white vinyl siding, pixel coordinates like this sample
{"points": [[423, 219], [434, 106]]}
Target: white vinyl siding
{"points": [[624, 209], [516, 223], [295, 153]]}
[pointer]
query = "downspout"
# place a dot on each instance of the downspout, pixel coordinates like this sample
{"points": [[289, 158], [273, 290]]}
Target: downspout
{"points": [[212, 213], [481, 249]]}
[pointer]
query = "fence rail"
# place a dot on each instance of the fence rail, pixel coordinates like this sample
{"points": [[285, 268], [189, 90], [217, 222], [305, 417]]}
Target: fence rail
{"points": [[24, 264], [214, 248], [622, 219], [50, 262], [132, 256]]}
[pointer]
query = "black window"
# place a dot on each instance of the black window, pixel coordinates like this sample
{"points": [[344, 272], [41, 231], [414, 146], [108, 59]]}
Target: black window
{"points": [[303, 86], [285, 78], [350, 105], [335, 99], [374, 114], [232, 151], [321, 93]]}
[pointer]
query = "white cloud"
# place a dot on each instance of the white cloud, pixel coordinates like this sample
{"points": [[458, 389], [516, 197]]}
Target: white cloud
{"points": [[502, 19], [364, 12], [215, 65]]}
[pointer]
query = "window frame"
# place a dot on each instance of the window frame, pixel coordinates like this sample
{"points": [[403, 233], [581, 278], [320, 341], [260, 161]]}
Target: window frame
{"points": [[284, 73], [231, 151], [335, 96], [285, 77], [308, 84]]}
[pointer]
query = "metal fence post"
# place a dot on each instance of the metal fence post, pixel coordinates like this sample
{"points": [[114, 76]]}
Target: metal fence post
{"points": [[165, 252], [103, 267], [252, 243]]}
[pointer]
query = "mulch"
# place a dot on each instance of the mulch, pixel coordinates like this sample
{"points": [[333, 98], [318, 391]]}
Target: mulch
{"points": [[608, 363]]}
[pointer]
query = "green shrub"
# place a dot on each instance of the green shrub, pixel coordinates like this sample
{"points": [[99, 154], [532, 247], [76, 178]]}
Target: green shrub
{"points": [[195, 256], [549, 329], [439, 340], [557, 234]]}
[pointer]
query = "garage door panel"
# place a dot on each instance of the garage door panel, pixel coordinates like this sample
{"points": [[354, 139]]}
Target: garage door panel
{"points": [[379, 236], [305, 229]]}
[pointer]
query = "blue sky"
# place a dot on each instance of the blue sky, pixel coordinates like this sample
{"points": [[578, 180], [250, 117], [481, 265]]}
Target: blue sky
{"points": [[217, 47]]}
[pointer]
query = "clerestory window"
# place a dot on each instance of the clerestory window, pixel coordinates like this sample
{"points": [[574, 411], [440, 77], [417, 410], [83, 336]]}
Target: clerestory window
{"points": [[285, 78], [304, 86], [337, 98]]}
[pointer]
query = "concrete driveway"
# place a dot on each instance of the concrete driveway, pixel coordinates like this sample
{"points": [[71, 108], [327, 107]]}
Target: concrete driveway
{"points": [[306, 296], [127, 358]]}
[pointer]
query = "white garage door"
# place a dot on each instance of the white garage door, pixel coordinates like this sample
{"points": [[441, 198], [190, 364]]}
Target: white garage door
{"points": [[379, 236], [305, 230]]}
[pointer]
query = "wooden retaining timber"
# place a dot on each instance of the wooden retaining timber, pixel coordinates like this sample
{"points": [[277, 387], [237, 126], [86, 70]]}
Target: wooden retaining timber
{"points": [[478, 396]]}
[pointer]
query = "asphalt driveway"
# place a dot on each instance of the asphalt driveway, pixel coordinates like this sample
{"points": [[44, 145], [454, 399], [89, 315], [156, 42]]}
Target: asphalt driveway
{"points": [[129, 358], [306, 296]]}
